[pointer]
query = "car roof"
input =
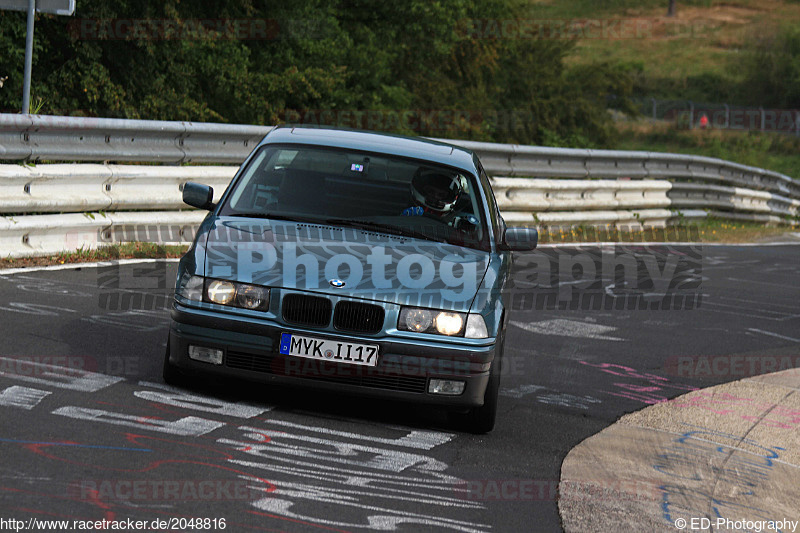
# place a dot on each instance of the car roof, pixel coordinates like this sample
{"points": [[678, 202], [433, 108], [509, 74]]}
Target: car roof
{"points": [[381, 143]]}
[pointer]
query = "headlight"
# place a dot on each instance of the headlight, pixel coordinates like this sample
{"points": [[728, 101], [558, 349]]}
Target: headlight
{"points": [[242, 295], [220, 292], [449, 323], [419, 320], [251, 297], [431, 321]]}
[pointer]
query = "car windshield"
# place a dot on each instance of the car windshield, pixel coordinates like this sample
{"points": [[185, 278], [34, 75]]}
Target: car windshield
{"points": [[373, 192]]}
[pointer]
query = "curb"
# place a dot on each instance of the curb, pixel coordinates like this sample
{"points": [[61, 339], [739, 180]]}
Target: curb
{"points": [[725, 458]]}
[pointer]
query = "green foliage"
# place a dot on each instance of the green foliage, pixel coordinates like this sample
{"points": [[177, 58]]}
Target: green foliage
{"points": [[325, 59], [703, 87], [772, 69], [775, 151]]}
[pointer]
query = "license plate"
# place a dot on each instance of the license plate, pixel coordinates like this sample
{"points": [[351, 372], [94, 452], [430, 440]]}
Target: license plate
{"points": [[329, 350]]}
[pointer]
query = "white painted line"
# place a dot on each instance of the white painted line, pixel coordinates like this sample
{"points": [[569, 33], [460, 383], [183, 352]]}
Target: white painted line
{"points": [[183, 399], [750, 315], [774, 334], [424, 440], [25, 369], [22, 397], [781, 285], [781, 316], [747, 244], [569, 328], [74, 266], [189, 426], [268, 442], [772, 304]]}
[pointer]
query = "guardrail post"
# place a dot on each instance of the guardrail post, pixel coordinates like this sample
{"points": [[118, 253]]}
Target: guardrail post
{"points": [[727, 116], [691, 115], [763, 118], [26, 79]]}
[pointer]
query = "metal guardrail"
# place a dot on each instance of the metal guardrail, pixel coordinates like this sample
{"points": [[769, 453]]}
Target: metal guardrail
{"points": [[53, 138], [554, 187], [93, 187], [43, 137], [49, 234], [537, 161]]}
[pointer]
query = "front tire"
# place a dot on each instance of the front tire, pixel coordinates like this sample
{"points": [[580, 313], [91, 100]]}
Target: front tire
{"points": [[482, 419]]}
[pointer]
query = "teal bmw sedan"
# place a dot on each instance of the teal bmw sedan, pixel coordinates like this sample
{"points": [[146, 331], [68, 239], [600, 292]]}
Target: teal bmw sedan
{"points": [[350, 261]]}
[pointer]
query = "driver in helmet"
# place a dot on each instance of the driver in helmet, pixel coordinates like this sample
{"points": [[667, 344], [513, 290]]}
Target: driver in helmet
{"points": [[436, 194]]}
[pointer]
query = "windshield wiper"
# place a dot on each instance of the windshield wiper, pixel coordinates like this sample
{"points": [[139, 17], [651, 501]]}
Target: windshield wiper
{"points": [[384, 228], [361, 224]]}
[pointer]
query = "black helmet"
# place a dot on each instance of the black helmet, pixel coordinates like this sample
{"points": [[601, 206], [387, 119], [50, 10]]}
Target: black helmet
{"points": [[436, 190]]}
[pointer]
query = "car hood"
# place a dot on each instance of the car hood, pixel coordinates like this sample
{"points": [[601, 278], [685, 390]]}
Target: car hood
{"points": [[368, 265]]}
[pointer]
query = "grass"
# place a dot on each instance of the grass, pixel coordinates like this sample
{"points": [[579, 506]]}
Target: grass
{"points": [[726, 231], [704, 38], [103, 253], [774, 151], [697, 55], [712, 230]]}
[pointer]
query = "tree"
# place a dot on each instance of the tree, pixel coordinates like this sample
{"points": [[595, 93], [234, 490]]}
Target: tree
{"points": [[671, 8], [448, 68]]}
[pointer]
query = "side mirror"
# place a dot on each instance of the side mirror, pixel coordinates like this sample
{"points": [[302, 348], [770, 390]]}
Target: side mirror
{"points": [[198, 195], [520, 239]]}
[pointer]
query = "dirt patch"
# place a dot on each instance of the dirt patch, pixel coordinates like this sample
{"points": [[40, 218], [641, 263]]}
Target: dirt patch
{"points": [[701, 22]]}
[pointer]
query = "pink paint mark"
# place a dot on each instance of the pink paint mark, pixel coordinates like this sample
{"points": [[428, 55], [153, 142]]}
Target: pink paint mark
{"points": [[725, 404], [639, 392], [649, 400]]}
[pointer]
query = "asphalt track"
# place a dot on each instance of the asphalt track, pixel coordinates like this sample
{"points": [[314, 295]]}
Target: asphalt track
{"points": [[90, 432]]}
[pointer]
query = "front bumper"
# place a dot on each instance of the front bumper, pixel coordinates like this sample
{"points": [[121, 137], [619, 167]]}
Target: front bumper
{"points": [[250, 351]]}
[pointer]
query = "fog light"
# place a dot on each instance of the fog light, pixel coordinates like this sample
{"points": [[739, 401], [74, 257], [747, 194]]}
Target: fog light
{"points": [[205, 355], [446, 386]]}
